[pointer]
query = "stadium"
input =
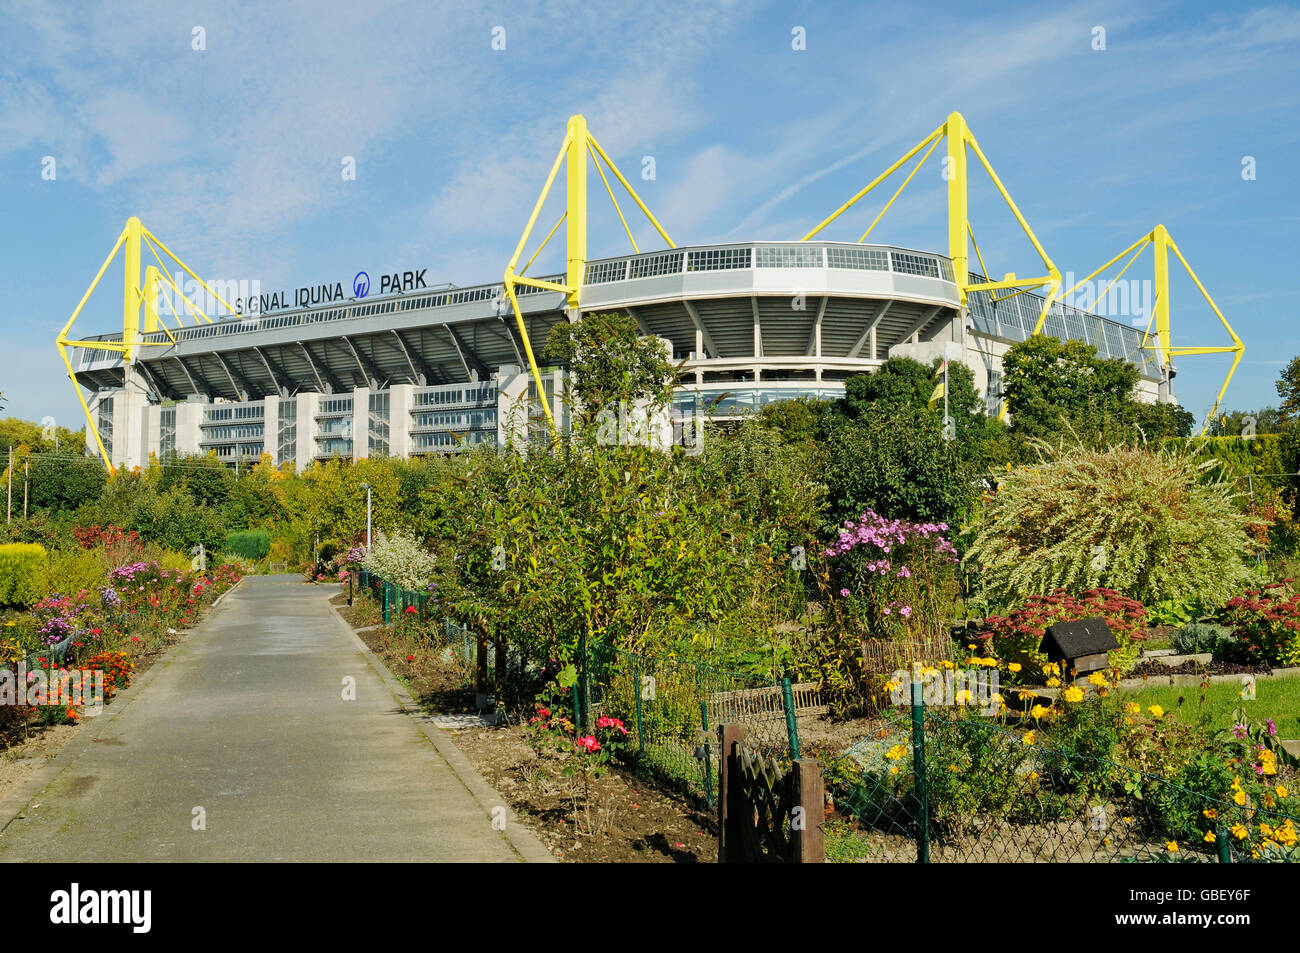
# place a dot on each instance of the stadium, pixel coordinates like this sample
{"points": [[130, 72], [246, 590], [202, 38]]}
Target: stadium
{"points": [[335, 371]]}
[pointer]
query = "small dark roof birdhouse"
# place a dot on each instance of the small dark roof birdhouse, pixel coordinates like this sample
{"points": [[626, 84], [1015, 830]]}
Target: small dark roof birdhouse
{"points": [[1080, 645]]}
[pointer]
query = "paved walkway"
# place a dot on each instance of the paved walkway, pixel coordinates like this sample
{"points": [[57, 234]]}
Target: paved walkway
{"points": [[246, 719]]}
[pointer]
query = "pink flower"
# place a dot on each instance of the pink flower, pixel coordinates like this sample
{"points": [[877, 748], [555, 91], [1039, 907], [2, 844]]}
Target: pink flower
{"points": [[887, 610], [844, 592], [905, 611], [588, 744]]}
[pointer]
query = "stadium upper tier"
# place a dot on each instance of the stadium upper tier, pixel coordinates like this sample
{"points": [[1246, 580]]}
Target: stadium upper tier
{"points": [[750, 311]]}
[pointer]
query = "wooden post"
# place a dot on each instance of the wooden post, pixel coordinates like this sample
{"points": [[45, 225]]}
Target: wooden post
{"points": [[809, 793], [730, 815]]}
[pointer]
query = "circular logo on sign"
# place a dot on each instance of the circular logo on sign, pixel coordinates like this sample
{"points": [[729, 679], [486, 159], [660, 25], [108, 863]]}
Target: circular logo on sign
{"points": [[361, 285]]}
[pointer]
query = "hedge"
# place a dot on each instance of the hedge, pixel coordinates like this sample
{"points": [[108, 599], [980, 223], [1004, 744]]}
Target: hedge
{"points": [[22, 571]]}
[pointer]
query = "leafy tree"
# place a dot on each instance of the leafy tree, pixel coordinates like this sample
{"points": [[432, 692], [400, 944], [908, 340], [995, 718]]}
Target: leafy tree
{"points": [[1288, 388], [1047, 381], [206, 480], [18, 433], [895, 461], [61, 484], [801, 420], [611, 362], [1232, 423], [906, 381]]}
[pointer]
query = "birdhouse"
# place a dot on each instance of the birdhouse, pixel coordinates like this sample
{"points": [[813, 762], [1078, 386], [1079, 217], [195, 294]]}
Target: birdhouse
{"points": [[1080, 645]]}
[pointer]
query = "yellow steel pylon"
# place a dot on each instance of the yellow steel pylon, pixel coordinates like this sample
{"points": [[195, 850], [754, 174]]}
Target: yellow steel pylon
{"points": [[959, 138], [577, 147], [1161, 244], [135, 295]]}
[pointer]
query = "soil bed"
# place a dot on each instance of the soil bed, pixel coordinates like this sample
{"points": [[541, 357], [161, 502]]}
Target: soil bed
{"points": [[631, 818], [1154, 668]]}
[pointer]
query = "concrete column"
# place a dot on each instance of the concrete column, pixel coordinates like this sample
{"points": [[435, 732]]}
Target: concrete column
{"points": [[152, 431], [305, 421], [360, 423], [188, 417], [271, 427], [401, 398], [512, 405]]}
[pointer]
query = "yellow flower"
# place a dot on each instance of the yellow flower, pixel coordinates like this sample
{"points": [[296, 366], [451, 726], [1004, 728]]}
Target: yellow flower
{"points": [[1132, 708], [1281, 790], [1098, 679], [1024, 694], [1286, 834], [894, 769], [964, 697], [1209, 837], [1211, 813], [893, 685], [896, 752], [1156, 711], [971, 646], [1028, 738], [1172, 846], [1240, 832], [1038, 711], [1013, 667], [1073, 694], [1053, 682], [946, 664], [1240, 797]]}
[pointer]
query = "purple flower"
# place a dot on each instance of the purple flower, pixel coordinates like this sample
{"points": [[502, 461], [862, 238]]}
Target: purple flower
{"points": [[1272, 728], [844, 592], [1239, 731]]}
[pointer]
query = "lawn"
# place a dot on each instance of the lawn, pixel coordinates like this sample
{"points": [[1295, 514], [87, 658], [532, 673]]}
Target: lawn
{"points": [[1278, 699]]}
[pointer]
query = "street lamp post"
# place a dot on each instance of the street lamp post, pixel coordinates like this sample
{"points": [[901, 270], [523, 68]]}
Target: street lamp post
{"points": [[366, 487]]}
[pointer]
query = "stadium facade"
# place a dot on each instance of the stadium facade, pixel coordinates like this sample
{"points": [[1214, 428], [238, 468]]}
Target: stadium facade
{"points": [[433, 371], [417, 370]]}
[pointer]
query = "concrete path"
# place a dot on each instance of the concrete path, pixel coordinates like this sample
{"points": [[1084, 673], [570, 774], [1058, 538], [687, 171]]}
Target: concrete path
{"points": [[246, 719]]}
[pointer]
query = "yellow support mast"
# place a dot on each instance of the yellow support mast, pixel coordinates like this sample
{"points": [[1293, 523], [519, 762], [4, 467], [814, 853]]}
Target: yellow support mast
{"points": [[133, 238], [959, 139], [1161, 245], [577, 147]]}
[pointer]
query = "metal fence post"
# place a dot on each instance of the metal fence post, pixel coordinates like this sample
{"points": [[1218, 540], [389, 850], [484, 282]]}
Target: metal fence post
{"points": [[584, 678], [918, 769], [708, 761], [791, 725], [387, 600], [1225, 852], [640, 722]]}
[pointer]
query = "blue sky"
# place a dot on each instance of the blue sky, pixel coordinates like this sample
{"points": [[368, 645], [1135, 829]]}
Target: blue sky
{"points": [[232, 154]]}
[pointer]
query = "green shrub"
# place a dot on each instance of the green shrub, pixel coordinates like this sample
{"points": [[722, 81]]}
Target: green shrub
{"points": [[69, 571], [896, 461], [401, 560], [22, 573], [253, 544], [1154, 525], [1200, 637]]}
